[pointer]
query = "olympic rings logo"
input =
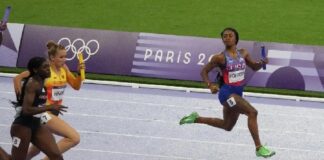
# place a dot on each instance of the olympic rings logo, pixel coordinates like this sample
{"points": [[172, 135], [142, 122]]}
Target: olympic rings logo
{"points": [[80, 46]]}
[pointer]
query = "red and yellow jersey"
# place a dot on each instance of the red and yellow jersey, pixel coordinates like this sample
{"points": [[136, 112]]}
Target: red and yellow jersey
{"points": [[55, 85]]}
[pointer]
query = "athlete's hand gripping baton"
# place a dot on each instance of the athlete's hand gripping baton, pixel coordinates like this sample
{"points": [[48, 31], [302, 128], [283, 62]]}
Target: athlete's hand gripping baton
{"points": [[5, 17], [81, 62]]}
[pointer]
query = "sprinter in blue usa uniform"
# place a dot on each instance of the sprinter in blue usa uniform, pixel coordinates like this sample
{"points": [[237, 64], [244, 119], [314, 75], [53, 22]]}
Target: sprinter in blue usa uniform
{"points": [[233, 63]]}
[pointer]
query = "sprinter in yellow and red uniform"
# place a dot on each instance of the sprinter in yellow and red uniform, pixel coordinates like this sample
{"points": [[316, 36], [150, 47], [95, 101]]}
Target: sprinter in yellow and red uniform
{"points": [[57, 83]]}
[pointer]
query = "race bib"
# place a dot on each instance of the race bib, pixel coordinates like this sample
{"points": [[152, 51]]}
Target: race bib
{"points": [[45, 117], [231, 102], [57, 93], [236, 76], [16, 141]]}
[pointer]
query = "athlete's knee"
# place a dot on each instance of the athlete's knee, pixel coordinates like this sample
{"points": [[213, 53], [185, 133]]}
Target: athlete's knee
{"points": [[253, 113], [32, 152], [228, 128], [74, 139], [56, 155], [5, 157]]}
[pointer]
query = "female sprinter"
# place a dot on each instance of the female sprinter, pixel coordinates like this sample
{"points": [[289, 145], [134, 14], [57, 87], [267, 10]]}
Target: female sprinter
{"points": [[27, 126], [55, 85], [232, 62]]}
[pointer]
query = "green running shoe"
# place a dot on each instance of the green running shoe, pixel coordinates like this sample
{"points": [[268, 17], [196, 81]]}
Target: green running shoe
{"points": [[263, 151], [189, 119]]}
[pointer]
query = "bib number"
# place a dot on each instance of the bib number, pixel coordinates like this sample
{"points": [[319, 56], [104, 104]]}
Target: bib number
{"points": [[44, 118], [16, 141], [231, 102]]}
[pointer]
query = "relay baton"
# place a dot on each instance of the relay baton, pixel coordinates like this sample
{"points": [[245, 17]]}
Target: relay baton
{"points": [[82, 71], [6, 15], [263, 54]]}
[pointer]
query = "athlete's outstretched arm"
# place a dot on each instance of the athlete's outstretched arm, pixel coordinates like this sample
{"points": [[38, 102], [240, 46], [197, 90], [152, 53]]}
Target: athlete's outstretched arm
{"points": [[254, 65], [75, 82]]}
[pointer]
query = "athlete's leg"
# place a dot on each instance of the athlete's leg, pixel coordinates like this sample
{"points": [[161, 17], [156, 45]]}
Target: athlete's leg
{"points": [[4, 155], [61, 128], [244, 107], [241, 105], [21, 137], [32, 152], [44, 140], [227, 123]]}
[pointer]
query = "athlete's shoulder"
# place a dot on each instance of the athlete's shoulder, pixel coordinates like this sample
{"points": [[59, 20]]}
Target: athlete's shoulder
{"points": [[244, 52], [33, 84], [65, 67], [218, 58], [219, 55]]}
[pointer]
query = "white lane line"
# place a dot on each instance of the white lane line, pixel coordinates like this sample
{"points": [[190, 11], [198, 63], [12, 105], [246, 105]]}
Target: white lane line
{"points": [[176, 123], [217, 109], [292, 115], [123, 153], [134, 102], [195, 141], [186, 140], [209, 108], [199, 141], [163, 138], [105, 116], [183, 140], [133, 154], [195, 108], [173, 122], [120, 117]]}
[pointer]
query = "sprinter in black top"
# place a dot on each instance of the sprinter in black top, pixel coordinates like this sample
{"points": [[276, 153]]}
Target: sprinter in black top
{"points": [[30, 107]]}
